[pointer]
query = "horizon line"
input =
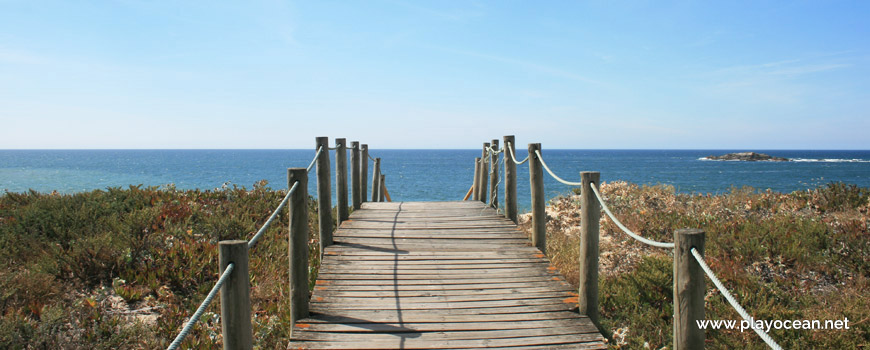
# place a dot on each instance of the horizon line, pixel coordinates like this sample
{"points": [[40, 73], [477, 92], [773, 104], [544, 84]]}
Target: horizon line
{"points": [[432, 149]]}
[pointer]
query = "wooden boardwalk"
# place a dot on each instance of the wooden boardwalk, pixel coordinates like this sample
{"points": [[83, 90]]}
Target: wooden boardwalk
{"points": [[439, 275]]}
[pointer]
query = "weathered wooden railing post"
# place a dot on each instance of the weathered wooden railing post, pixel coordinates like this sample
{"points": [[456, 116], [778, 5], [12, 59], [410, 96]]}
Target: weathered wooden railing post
{"points": [[590, 214], [364, 173], [510, 181], [539, 215], [324, 195], [341, 180], [298, 244], [382, 187], [376, 179], [354, 175], [689, 290], [493, 176], [236, 297], [484, 173], [475, 195]]}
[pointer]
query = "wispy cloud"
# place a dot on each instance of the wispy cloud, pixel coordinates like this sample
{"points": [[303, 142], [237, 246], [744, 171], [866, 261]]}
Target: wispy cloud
{"points": [[807, 69], [531, 66], [11, 56], [456, 15], [789, 82], [789, 68]]}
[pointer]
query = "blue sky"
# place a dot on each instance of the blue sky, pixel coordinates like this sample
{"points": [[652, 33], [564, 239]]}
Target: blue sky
{"points": [[435, 74]]}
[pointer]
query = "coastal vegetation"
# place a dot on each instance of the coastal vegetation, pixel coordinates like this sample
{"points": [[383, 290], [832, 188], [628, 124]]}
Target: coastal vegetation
{"points": [[796, 256], [123, 268]]}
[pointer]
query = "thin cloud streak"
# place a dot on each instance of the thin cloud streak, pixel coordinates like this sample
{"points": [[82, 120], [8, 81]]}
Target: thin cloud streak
{"points": [[524, 64]]}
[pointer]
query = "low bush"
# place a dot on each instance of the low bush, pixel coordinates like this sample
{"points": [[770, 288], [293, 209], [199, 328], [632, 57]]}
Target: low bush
{"points": [[801, 255], [125, 268]]}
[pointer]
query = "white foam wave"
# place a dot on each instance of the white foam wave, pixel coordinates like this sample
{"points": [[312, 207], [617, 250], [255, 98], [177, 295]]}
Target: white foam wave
{"points": [[831, 160], [811, 160]]}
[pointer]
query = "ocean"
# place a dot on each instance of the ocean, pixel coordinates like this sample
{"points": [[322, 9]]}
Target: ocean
{"points": [[424, 175]]}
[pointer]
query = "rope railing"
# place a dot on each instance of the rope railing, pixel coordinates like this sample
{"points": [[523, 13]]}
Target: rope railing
{"points": [[569, 183], [625, 229], [281, 205], [689, 289], [272, 217], [314, 161], [229, 269], [298, 224], [493, 195], [201, 309], [740, 310], [514, 155]]}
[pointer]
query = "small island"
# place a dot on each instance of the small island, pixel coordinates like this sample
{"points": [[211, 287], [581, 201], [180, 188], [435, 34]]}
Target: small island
{"points": [[749, 157]]}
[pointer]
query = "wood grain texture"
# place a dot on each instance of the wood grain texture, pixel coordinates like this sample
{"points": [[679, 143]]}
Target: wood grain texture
{"points": [[439, 275]]}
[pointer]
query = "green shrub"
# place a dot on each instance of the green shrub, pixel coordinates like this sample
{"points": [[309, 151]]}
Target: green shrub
{"points": [[67, 256]]}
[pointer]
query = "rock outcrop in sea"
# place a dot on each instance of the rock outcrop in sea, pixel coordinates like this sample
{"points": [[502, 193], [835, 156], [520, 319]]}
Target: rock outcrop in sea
{"points": [[749, 157]]}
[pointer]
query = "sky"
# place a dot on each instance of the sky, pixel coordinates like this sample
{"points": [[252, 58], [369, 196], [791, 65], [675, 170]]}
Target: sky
{"points": [[434, 74]]}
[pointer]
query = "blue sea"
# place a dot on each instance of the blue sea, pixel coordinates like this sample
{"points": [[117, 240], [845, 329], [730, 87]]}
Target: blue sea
{"points": [[423, 175]]}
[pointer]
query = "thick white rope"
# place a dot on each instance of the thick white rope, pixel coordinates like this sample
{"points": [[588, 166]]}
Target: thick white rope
{"points": [[493, 194], [740, 310], [314, 161], [569, 183], [201, 309], [625, 229], [262, 230], [514, 155]]}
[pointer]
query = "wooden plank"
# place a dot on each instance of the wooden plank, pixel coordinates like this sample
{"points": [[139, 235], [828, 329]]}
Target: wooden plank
{"points": [[439, 298], [392, 304], [386, 317], [360, 327], [398, 332], [343, 260], [338, 292], [582, 341], [420, 314], [428, 279], [423, 265], [393, 317], [447, 275], [472, 285]]}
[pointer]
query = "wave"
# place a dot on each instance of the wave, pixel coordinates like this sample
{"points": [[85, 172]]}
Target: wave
{"points": [[812, 160], [830, 160]]}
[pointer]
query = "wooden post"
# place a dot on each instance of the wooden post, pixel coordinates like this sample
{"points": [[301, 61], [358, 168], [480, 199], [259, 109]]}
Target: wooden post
{"points": [[341, 180], [536, 183], [689, 290], [236, 296], [324, 195], [376, 180], [590, 214], [354, 175], [298, 244], [510, 181], [364, 173], [386, 193], [493, 176], [484, 173], [382, 188], [475, 195], [468, 194]]}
